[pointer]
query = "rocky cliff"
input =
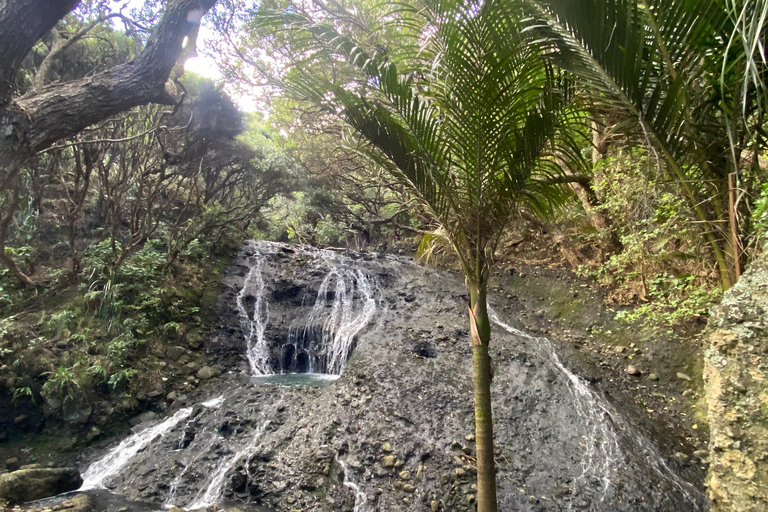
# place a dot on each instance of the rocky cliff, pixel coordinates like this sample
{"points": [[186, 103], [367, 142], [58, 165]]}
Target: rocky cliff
{"points": [[736, 365]]}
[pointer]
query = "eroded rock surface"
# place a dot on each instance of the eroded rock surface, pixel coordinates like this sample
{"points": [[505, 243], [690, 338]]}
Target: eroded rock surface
{"points": [[736, 366]]}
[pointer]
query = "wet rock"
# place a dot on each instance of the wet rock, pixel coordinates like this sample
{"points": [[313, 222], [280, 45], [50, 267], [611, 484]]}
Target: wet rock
{"points": [[143, 417], [33, 484]]}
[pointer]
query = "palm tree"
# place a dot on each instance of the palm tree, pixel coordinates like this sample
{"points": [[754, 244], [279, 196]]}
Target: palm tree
{"points": [[477, 129], [690, 73]]}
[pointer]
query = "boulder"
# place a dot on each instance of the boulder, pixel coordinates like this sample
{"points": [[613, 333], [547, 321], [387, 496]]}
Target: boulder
{"points": [[735, 377], [33, 484]]}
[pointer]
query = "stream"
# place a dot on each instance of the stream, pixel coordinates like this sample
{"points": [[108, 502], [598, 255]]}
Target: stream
{"points": [[346, 385]]}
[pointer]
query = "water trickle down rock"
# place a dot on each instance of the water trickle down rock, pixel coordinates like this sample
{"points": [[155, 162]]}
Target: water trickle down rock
{"points": [[560, 442]]}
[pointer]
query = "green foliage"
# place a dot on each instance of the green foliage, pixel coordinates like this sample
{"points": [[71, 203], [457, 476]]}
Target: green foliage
{"points": [[760, 217], [61, 382], [673, 301], [662, 261], [22, 392]]}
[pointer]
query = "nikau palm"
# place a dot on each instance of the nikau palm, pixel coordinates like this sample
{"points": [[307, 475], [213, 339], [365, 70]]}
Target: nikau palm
{"points": [[477, 129], [690, 73]]}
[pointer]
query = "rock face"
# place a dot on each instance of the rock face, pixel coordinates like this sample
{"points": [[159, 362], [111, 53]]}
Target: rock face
{"points": [[33, 484], [394, 432], [735, 372]]}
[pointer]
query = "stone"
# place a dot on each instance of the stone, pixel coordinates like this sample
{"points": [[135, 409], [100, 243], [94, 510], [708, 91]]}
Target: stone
{"points": [[405, 475], [388, 461], [409, 488], [175, 353], [171, 397], [470, 438], [33, 484], [93, 434], [76, 409], [632, 370], [683, 376], [434, 506], [81, 503], [205, 373], [386, 447], [653, 377], [141, 418], [12, 464]]}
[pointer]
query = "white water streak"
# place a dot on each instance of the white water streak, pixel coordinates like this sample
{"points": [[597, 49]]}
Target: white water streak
{"points": [[602, 452], [360, 497], [215, 488], [117, 458], [255, 324]]}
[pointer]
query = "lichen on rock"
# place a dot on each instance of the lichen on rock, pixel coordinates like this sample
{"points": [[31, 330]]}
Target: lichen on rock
{"points": [[735, 379]]}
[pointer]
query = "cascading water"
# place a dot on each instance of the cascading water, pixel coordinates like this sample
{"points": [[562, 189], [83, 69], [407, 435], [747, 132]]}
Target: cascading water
{"points": [[110, 465], [603, 457], [255, 322], [305, 310], [319, 342]]}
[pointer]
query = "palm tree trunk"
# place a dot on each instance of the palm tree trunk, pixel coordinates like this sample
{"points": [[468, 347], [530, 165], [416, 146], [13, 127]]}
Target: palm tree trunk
{"points": [[481, 380]]}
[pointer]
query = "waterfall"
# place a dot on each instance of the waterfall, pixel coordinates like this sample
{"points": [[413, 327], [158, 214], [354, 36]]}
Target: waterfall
{"points": [[111, 464], [320, 341], [602, 453], [215, 488], [122, 454], [255, 324]]}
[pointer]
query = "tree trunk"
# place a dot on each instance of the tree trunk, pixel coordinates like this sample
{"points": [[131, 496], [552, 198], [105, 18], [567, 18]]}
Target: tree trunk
{"points": [[480, 328]]}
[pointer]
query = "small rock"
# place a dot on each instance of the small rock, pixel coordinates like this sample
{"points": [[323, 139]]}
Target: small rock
{"points": [[701, 454], [205, 373], [682, 376], [434, 506], [93, 434], [12, 464], [632, 370], [141, 418], [409, 488], [388, 461], [386, 447], [687, 393], [470, 438], [171, 397], [653, 376], [682, 457], [405, 475], [175, 353], [82, 503], [620, 349]]}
